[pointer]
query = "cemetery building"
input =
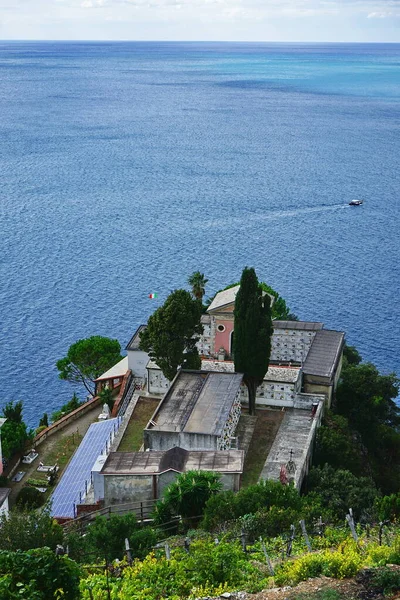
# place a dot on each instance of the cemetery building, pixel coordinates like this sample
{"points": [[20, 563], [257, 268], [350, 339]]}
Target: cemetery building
{"points": [[199, 411], [305, 357], [143, 476]]}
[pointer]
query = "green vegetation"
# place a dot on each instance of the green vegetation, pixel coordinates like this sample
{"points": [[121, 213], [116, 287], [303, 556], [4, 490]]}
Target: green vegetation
{"points": [[38, 575], [361, 434], [67, 408], [253, 333], [172, 333], [14, 433], [187, 496], [133, 436], [105, 540], [197, 282], [87, 359], [27, 529], [29, 498]]}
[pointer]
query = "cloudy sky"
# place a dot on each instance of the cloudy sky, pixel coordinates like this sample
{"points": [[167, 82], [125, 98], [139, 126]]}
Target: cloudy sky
{"points": [[241, 20]]}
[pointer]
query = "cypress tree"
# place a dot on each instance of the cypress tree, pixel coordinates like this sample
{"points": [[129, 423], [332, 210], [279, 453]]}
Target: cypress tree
{"points": [[253, 331]]}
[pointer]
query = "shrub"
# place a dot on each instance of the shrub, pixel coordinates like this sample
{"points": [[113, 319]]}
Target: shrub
{"points": [[106, 537], [23, 530], [29, 498], [345, 562], [386, 580], [219, 509], [264, 495], [188, 495], [38, 574]]}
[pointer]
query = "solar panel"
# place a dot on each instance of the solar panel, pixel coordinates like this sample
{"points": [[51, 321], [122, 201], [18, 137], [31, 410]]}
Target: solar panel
{"points": [[75, 480]]}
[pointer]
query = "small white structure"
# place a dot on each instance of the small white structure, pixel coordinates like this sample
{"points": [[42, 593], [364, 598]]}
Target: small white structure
{"points": [[4, 508], [137, 359], [97, 479]]}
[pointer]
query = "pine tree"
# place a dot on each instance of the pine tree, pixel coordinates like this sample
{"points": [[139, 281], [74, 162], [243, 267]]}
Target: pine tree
{"points": [[253, 332]]}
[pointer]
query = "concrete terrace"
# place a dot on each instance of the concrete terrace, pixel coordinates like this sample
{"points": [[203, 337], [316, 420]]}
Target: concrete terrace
{"points": [[296, 433]]}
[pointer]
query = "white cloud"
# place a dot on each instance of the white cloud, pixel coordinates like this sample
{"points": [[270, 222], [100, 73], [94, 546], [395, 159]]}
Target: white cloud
{"points": [[382, 15], [91, 3]]}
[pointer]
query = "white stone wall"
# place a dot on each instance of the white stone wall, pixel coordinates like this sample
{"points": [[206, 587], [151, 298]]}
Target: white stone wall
{"points": [[291, 345], [204, 343], [272, 394], [225, 439], [157, 383], [137, 361]]}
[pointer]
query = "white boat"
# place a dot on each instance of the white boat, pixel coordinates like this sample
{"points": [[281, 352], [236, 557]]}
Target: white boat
{"points": [[356, 202]]}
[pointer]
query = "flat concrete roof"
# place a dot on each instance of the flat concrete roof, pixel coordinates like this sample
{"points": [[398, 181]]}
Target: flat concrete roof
{"points": [[197, 402], [324, 353], [274, 373], [176, 459], [133, 343], [117, 370], [301, 325]]}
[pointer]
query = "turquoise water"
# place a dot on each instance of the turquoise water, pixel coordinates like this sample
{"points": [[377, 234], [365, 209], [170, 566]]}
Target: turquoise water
{"points": [[126, 166]]}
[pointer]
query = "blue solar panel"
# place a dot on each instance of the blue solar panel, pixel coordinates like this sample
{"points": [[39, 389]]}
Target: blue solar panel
{"points": [[72, 486]]}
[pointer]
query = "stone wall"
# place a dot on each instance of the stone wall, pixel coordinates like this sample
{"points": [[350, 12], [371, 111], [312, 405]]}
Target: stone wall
{"points": [[119, 489], [225, 439], [72, 416], [157, 383], [291, 345]]}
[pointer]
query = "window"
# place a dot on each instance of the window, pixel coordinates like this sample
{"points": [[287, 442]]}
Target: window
{"points": [[221, 328]]}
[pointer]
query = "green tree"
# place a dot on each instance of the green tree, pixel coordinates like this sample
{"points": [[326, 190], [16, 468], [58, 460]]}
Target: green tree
{"points": [[106, 537], [339, 446], [23, 530], [29, 498], [87, 359], [38, 575], [187, 496], [197, 282], [351, 355], [341, 490], [13, 411], [44, 421], [253, 332], [14, 438], [172, 333]]}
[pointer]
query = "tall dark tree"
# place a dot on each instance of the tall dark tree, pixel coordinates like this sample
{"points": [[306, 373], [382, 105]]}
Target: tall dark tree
{"points": [[253, 332], [172, 333], [197, 282]]}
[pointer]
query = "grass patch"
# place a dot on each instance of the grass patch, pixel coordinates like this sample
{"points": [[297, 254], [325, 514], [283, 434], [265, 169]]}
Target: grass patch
{"points": [[133, 437], [61, 453], [62, 450], [267, 425]]}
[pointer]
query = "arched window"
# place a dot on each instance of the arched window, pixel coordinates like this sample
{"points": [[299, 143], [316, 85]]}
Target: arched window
{"points": [[231, 343]]}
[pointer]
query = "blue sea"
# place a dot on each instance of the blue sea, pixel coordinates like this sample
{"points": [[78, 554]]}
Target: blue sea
{"points": [[127, 166]]}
